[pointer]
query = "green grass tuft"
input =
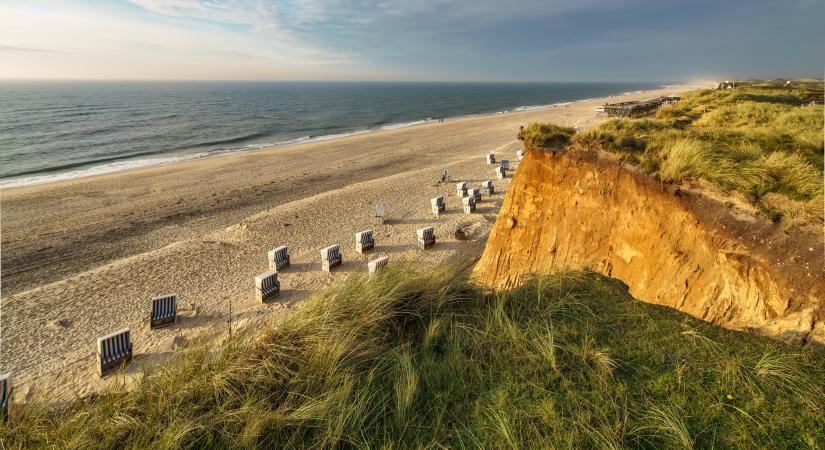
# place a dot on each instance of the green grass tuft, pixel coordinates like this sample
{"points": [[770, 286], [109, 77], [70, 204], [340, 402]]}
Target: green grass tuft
{"points": [[546, 135], [426, 359]]}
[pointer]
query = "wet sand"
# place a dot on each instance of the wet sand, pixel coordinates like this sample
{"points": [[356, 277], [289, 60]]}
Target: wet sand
{"points": [[81, 258]]}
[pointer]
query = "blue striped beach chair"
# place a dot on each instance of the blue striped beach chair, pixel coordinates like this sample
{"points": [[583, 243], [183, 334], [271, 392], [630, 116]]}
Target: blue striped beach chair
{"points": [[330, 257], [376, 264], [6, 392], [278, 258], [267, 286], [491, 158], [425, 237], [500, 173], [476, 194], [364, 241], [505, 164], [114, 351], [164, 311]]}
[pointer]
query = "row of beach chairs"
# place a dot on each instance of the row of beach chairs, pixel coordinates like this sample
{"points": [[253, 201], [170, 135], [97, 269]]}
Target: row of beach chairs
{"points": [[115, 350]]}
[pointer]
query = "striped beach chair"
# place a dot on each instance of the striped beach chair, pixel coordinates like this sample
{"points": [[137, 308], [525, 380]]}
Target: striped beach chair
{"points": [[330, 257], [164, 311], [425, 237], [461, 189], [6, 392], [445, 176], [488, 188], [114, 351], [505, 164], [491, 158], [378, 218], [376, 264], [278, 258], [267, 286], [438, 205], [469, 204], [500, 173], [476, 194], [364, 241]]}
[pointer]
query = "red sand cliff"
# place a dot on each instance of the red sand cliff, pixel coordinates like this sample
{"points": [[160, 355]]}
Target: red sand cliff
{"points": [[585, 211]]}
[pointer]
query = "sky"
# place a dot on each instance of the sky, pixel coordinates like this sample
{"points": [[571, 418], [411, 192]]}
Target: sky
{"points": [[418, 40]]}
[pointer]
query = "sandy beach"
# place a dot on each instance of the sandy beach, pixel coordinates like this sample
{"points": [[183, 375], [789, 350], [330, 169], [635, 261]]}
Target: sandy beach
{"points": [[82, 258]]}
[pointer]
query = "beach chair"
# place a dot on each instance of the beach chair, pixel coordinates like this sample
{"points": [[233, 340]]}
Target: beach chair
{"points": [[377, 263], [445, 177], [425, 237], [461, 189], [330, 257], [491, 159], [500, 173], [378, 219], [364, 241], [520, 154], [6, 392], [488, 188], [164, 311], [114, 351], [438, 205], [505, 164], [469, 204], [476, 194], [267, 286], [278, 258]]}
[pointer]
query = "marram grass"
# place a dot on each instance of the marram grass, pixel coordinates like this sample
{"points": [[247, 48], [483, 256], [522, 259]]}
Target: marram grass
{"points": [[415, 359]]}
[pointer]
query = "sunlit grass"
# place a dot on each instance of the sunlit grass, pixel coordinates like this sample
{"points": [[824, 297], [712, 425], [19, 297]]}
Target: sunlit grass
{"points": [[415, 359]]}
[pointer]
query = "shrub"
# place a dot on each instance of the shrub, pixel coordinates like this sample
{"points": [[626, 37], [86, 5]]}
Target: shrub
{"points": [[546, 135]]}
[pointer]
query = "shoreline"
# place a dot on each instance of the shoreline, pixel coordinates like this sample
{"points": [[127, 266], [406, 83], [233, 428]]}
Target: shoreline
{"points": [[126, 165], [82, 257]]}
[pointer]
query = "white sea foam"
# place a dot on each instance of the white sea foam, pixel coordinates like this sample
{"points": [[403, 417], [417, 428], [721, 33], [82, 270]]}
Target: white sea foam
{"points": [[118, 166]]}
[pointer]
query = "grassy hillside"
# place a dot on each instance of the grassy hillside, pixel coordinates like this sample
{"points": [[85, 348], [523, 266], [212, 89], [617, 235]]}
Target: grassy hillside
{"points": [[765, 143], [413, 359]]}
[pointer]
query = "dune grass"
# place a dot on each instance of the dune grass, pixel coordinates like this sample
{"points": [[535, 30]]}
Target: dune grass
{"points": [[427, 360], [765, 143], [546, 135]]}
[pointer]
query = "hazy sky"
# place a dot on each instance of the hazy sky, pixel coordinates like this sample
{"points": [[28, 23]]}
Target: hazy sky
{"points": [[411, 39]]}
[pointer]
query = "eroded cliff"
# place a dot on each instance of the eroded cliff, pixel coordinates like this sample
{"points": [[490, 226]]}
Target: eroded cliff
{"points": [[582, 210]]}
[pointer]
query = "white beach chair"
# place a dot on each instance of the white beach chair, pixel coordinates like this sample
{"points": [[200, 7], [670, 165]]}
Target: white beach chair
{"points": [[267, 286], [6, 393], [505, 164], [164, 311], [491, 158], [330, 257], [364, 241], [378, 219], [500, 173], [469, 204], [476, 194], [425, 237], [278, 258], [488, 188], [520, 154], [438, 205], [114, 351], [376, 264], [461, 189]]}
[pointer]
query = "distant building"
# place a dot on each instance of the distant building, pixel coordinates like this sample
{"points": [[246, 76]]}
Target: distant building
{"points": [[732, 84]]}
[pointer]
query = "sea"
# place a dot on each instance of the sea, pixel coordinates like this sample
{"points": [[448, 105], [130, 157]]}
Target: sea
{"points": [[59, 130]]}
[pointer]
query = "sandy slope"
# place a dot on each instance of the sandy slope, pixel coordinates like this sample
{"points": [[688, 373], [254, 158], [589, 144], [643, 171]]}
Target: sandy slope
{"points": [[82, 258]]}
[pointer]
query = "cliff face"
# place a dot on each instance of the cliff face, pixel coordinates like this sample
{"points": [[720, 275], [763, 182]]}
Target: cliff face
{"points": [[581, 211]]}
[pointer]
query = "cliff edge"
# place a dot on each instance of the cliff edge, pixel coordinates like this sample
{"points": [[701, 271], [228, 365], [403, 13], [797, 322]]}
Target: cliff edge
{"points": [[585, 210]]}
